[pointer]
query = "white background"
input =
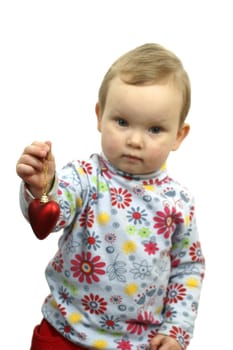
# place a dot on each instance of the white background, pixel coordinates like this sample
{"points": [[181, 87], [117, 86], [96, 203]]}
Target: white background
{"points": [[53, 55]]}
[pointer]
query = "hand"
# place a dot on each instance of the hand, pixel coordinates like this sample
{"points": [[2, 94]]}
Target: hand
{"points": [[164, 342], [30, 166]]}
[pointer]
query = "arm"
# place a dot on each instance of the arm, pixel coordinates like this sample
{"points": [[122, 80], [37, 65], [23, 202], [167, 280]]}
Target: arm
{"points": [[184, 288]]}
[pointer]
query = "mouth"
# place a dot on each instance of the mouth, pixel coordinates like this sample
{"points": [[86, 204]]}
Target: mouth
{"points": [[132, 158]]}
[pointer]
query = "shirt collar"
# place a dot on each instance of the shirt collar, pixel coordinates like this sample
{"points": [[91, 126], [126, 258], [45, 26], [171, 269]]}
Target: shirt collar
{"points": [[105, 165]]}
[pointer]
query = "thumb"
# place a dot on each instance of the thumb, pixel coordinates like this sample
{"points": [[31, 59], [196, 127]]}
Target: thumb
{"points": [[51, 165], [49, 154]]}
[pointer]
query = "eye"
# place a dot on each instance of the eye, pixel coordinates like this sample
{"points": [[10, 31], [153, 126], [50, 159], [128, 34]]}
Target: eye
{"points": [[155, 129], [121, 122]]}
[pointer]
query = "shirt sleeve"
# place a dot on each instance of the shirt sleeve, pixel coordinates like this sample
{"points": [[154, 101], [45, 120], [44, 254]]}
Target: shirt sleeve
{"points": [[69, 191], [185, 283]]}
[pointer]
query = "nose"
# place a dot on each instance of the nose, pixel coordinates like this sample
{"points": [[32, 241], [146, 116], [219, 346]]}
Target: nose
{"points": [[134, 139]]}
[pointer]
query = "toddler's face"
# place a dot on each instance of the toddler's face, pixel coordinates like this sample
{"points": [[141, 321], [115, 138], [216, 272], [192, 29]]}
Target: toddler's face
{"points": [[140, 125]]}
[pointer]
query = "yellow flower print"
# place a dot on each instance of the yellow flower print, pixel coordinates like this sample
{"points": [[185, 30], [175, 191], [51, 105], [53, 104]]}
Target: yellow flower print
{"points": [[187, 220], [149, 187], [164, 167], [131, 289], [79, 202], [81, 171], [103, 218], [129, 247], [192, 282], [53, 303], [159, 309], [100, 344], [75, 317]]}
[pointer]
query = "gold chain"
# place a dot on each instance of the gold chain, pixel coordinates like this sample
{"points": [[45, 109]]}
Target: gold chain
{"points": [[44, 197]]}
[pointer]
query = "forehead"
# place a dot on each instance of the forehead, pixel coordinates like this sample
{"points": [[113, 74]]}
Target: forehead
{"points": [[162, 98]]}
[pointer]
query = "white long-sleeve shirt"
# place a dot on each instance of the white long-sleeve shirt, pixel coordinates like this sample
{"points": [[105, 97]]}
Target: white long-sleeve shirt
{"points": [[129, 263]]}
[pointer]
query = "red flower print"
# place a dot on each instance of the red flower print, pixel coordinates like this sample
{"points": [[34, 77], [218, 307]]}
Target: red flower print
{"points": [[136, 215], [58, 262], [196, 253], [157, 182], [107, 172], [116, 299], [87, 167], [147, 318], [94, 304], [192, 210], [175, 293], [120, 197], [149, 182], [140, 325], [110, 237], [65, 296], [62, 309], [166, 221], [87, 268], [166, 180], [124, 345], [180, 335], [152, 334], [151, 248], [66, 329], [87, 218], [175, 262]]}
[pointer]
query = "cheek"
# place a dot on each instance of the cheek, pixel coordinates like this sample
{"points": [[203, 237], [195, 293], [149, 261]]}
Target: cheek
{"points": [[158, 152], [109, 141]]}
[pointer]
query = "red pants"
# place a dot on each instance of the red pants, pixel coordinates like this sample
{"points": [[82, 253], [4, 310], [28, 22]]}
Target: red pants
{"points": [[45, 337]]}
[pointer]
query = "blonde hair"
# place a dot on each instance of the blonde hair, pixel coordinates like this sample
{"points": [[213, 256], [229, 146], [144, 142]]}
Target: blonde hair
{"points": [[148, 64]]}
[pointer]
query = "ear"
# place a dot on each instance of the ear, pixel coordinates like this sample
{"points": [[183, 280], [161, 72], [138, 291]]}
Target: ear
{"points": [[98, 114], [181, 134]]}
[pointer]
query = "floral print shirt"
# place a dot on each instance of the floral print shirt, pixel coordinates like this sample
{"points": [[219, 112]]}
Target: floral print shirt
{"points": [[129, 262]]}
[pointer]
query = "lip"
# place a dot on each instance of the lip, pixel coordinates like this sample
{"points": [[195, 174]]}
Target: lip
{"points": [[132, 157]]}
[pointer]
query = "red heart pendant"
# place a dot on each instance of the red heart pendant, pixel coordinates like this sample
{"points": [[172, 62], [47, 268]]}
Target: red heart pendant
{"points": [[43, 217]]}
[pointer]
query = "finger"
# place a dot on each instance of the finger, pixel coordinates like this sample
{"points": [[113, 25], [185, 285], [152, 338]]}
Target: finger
{"points": [[36, 149], [156, 342], [35, 163], [161, 342]]}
